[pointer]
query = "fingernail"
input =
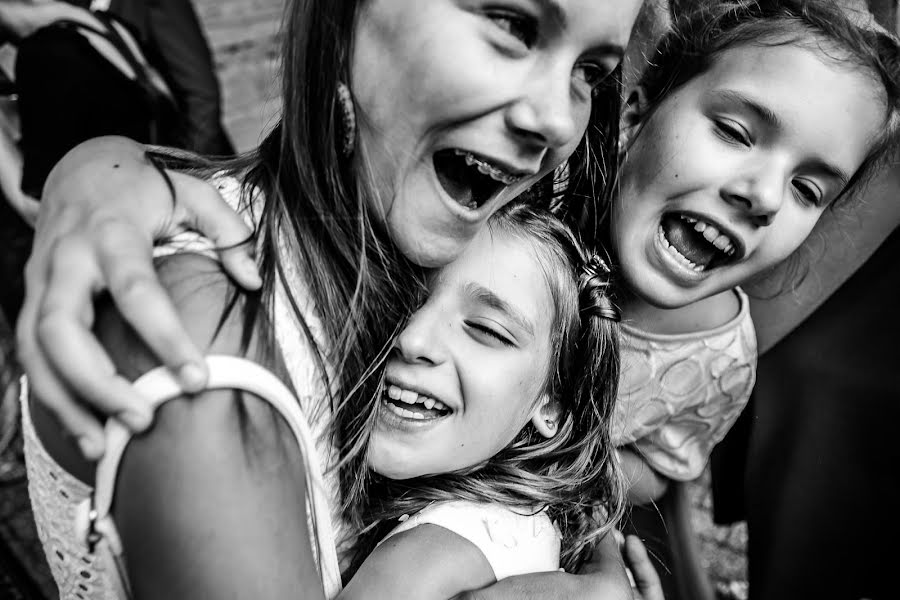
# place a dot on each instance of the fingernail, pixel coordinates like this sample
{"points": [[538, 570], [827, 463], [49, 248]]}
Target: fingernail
{"points": [[251, 269], [90, 447], [136, 420], [192, 376]]}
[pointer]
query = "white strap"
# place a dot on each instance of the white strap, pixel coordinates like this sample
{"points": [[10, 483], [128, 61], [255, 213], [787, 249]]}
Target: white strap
{"points": [[225, 372]]}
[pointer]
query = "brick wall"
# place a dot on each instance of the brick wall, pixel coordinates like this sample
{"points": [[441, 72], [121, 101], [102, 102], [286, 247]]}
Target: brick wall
{"points": [[243, 35]]}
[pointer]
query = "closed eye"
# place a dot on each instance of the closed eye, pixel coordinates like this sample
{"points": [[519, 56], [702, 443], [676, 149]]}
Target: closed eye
{"points": [[732, 132], [487, 333], [809, 193]]}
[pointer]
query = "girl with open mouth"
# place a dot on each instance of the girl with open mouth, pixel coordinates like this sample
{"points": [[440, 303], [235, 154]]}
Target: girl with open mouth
{"points": [[729, 160]]}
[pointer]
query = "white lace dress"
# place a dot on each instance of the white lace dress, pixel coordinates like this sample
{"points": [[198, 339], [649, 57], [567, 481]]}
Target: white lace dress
{"points": [[56, 495]]}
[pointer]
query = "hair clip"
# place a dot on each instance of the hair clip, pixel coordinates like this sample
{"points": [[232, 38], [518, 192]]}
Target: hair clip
{"points": [[596, 273], [595, 266]]}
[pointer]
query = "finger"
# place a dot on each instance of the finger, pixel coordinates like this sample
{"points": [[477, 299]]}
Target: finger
{"points": [[90, 371], [46, 388], [63, 334], [200, 206], [645, 576], [127, 268]]}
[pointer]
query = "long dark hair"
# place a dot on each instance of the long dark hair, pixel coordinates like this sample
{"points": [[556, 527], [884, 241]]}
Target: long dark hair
{"points": [[574, 475], [314, 210]]}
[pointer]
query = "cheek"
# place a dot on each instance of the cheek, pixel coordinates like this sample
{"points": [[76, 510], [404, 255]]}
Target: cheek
{"points": [[793, 228], [506, 396]]}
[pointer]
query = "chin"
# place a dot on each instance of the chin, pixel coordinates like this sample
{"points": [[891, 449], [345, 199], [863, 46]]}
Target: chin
{"points": [[389, 464], [430, 255], [658, 292]]}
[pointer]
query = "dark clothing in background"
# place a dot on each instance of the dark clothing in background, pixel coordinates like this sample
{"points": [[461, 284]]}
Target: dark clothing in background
{"points": [[173, 38], [821, 483], [69, 93]]}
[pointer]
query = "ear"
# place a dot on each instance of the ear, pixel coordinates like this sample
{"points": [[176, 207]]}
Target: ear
{"points": [[633, 112], [546, 417]]}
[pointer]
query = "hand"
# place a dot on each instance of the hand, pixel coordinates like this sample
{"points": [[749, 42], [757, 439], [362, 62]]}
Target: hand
{"points": [[547, 586], [103, 205], [26, 206], [646, 579]]}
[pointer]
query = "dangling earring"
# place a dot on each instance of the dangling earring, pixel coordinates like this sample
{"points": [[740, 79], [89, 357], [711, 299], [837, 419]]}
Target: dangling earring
{"points": [[348, 119]]}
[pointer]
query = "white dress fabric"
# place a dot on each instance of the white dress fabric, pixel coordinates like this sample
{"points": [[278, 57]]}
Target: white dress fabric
{"points": [[57, 497], [680, 394], [513, 543]]}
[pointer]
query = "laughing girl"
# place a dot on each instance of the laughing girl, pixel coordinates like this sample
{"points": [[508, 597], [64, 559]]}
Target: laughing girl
{"points": [[731, 155]]}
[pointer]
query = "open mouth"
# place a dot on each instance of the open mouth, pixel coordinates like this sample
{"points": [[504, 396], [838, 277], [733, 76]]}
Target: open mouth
{"points": [[469, 179], [412, 405], [696, 243]]}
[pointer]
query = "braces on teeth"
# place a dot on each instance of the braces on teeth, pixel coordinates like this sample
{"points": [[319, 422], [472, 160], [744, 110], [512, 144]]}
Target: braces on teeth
{"points": [[488, 169]]}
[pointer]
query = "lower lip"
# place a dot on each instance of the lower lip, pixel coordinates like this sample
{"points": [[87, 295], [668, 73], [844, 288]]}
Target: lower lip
{"points": [[390, 419], [681, 272], [472, 216]]}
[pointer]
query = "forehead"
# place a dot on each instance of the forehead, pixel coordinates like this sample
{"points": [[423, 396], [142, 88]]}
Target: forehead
{"points": [[508, 266], [594, 22], [834, 109], [598, 21]]}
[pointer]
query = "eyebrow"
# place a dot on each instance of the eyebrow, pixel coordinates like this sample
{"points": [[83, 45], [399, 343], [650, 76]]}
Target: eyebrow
{"points": [[830, 170], [554, 11], [613, 49], [773, 121], [762, 112], [484, 296]]}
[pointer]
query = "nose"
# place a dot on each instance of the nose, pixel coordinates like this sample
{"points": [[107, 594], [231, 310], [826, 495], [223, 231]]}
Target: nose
{"points": [[759, 194], [421, 341], [544, 114]]}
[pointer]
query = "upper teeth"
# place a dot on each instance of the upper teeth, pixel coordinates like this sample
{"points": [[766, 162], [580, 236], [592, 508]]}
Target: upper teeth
{"points": [[491, 171], [411, 397], [712, 235]]}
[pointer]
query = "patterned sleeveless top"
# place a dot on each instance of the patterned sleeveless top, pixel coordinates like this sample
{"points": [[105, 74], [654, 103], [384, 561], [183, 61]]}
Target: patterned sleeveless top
{"points": [[680, 394]]}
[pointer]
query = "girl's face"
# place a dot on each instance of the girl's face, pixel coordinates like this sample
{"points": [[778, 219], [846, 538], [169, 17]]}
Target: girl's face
{"points": [[468, 370], [463, 104], [730, 173]]}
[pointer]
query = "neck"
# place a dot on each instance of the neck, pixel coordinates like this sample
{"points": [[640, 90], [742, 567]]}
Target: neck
{"points": [[701, 315]]}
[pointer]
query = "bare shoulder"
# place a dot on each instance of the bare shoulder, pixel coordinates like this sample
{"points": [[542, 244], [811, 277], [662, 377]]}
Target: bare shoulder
{"points": [[209, 306], [427, 562], [218, 482]]}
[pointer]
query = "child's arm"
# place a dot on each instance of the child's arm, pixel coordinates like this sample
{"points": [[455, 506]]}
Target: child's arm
{"points": [[207, 500], [427, 562], [603, 577], [106, 202], [644, 483]]}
